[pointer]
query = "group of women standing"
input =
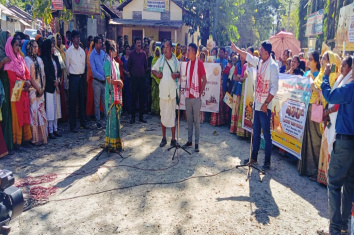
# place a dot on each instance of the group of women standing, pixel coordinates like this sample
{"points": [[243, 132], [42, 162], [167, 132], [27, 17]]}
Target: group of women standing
{"points": [[32, 116]]}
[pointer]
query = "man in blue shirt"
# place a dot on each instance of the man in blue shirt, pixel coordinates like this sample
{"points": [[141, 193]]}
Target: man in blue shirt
{"points": [[341, 165], [97, 59]]}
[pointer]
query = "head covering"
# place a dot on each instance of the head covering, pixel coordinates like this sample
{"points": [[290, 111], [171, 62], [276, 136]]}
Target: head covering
{"points": [[61, 49], [3, 37], [24, 46], [154, 61], [38, 36], [29, 51], [332, 78], [256, 53], [150, 47], [17, 63], [180, 53], [47, 48]]}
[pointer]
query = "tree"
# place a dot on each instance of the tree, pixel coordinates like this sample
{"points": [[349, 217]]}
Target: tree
{"points": [[215, 17]]}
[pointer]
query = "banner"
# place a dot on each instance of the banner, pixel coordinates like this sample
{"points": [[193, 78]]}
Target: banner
{"points": [[157, 5], [57, 4], [289, 111], [314, 24], [211, 95], [345, 30], [87, 7]]}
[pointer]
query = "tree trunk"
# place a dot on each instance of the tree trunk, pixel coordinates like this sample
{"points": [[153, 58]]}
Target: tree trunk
{"points": [[302, 22], [205, 31]]}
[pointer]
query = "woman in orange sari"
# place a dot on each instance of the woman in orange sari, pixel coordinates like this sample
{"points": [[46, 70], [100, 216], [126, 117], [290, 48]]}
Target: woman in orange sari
{"points": [[18, 73], [90, 106]]}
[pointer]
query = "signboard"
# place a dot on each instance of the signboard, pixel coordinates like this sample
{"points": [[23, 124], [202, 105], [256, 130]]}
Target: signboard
{"points": [[86, 7], [211, 94], [345, 30], [57, 4], [314, 24], [157, 5], [289, 111]]}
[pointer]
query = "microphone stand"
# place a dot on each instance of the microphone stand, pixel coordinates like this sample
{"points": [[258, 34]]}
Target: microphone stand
{"points": [[178, 116]]}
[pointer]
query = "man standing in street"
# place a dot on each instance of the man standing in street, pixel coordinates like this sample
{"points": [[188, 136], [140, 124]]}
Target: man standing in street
{"points": [[75, 64], [97, 59], [265, 89], [196, 82], [167, 69], [341, 165], [137, 66]]}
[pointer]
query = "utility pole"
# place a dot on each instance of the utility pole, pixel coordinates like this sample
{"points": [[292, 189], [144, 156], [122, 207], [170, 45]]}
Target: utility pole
{"points": [[288, 26]]}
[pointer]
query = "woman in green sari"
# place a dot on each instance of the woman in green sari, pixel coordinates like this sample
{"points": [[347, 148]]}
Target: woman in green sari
{"points": [[155, 103], [113, 99], [6, 105]]}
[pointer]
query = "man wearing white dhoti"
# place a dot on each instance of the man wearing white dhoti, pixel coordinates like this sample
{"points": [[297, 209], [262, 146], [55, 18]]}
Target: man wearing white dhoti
{"points": [[167, 69]]}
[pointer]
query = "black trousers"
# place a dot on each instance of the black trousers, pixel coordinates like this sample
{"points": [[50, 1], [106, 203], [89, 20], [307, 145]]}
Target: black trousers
{"points": [[138, 88], [76, 93]]}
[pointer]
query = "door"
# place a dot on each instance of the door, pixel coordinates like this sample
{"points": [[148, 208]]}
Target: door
{"points": [[137, 33], [164, 35]]}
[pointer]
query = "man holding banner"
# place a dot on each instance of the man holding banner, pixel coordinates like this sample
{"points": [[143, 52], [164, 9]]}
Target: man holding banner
{"points": [[195, 85], [265, 90], [167, 69]]}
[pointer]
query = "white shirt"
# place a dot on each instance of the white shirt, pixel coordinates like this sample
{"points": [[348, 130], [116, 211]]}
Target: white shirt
{"points": [[167, 85], [75, 60], [272, 71]]}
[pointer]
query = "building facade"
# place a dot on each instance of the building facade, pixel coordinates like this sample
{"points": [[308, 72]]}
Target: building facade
{"points": [[155, 19]]}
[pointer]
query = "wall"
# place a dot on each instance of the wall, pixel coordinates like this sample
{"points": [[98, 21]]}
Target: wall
{"points": [[153, 33], [138, 5], [176, 12]]}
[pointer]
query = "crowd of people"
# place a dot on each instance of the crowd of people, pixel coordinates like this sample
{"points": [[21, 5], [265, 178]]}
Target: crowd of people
{"points": [[39, 77]]}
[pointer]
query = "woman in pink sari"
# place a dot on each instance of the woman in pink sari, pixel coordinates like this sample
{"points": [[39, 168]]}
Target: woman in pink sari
{"points": [[18, 73]]}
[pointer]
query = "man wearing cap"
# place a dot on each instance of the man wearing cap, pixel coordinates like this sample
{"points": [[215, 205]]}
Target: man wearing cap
{"points": [[266, 87], [75, 64]]}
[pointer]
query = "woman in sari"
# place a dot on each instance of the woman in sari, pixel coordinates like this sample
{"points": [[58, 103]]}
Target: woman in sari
{"points": [[53, 74], [113, 99], [247, 74], [36, 95], [330, 117], [126, 89], [234, 78], [90, 106], [6, 123], [18, 73], [178, 51], [155, 104], [311, 144], [59, 51]]}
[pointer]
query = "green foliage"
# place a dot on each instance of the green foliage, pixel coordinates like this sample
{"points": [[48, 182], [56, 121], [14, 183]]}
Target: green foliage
{"points": [[247, 22], [216, 16]]}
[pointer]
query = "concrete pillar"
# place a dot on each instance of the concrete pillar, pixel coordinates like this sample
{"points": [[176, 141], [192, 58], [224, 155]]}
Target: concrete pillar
{"points": [[175, 36]]}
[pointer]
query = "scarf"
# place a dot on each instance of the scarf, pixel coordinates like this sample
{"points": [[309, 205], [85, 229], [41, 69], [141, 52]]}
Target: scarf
{"points": [[263, 82], [193, 87], [117, 94], [180, 54], [24, 47], [17, 63], [330, 132], [332, 78], [154, 60], [150, 48], [61, 49], [3, 38], [37, 68]]}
